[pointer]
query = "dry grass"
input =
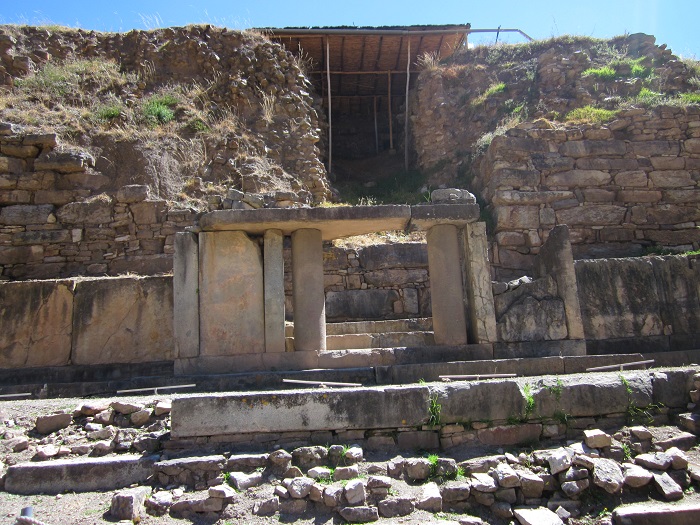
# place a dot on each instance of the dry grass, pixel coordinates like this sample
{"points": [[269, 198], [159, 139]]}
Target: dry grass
{"points": [[268, 104]]}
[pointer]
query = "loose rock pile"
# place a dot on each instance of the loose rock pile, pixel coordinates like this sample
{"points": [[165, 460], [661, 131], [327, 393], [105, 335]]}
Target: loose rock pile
{"points": [[94, 429], [545, 484]]}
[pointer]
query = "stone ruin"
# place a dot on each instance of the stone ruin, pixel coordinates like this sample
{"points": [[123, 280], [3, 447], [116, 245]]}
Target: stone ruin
{"points": [[258, 298]]}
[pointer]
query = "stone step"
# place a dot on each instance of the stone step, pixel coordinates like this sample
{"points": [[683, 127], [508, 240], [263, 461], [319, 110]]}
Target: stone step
{"points": [[422, 324], [79, 474], [367, 341], [381, 340]]}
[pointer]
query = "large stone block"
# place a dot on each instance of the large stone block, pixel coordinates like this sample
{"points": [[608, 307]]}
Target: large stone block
{"points": [[678, 293], [517, 218], [231, 294], [619, 298], [23, 214], [394, 277], [381, 256], [533, 320], [360, 304], [477, 401], [123, 320], [556, 259], [590, 148], [578, 178], [592, 215], [96, 211], [671, 178], [36, 319], [594, 394], [78, 475], [307, 410]]}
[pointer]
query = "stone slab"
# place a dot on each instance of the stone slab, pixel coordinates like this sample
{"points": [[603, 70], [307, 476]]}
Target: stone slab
{"points": [[78, 475], [658, 514], [185, 295], [334, 223], [273, 269], [231, 295], [37, 322], [347, 409], [424, 217], [123, 320]]}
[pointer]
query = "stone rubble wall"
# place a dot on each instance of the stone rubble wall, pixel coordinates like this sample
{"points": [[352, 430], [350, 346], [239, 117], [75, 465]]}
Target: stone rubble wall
{"points": [[238, 68], [620, 188]]}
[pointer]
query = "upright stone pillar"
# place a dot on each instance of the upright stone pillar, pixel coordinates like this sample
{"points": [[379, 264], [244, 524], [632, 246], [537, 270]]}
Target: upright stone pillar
{"points": [[446, 289], [481, 313], [186, 295], [274, 291], [307, 291]]}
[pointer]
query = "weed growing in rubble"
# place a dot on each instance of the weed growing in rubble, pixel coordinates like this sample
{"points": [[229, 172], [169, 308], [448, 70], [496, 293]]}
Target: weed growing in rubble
{"points": [[529, 401], [158, 109], [433, 460], [435, 409]]}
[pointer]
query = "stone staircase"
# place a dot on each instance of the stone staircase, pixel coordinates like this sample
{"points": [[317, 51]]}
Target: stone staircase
{"points": [[365, 335]]}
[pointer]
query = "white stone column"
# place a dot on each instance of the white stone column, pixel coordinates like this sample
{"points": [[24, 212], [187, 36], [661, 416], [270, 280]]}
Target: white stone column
{"points": [[446, 289], [273, 267], [186, 295], [307, 291]]}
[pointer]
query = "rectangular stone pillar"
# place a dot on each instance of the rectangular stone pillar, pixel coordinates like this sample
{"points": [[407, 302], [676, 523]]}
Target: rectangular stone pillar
{"points": [[273, 269], [231, 295], [556, 258], [479, 294], [307, 291], [446, 289], [186, 295]]}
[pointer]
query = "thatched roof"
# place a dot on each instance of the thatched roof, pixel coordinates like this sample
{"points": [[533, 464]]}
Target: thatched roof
{"points": [[362, 59]]}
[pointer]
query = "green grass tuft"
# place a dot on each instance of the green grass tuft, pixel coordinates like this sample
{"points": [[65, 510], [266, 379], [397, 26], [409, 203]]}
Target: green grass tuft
{"points": [[601, 73], [591, 114]]}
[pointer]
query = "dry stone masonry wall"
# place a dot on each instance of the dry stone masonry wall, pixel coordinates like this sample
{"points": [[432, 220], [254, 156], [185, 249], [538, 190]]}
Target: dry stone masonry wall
{"points": [[56, 222], [620, 188]]}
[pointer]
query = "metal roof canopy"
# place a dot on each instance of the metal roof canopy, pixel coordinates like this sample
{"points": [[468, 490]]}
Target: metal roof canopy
{"points": [[361, 61]]}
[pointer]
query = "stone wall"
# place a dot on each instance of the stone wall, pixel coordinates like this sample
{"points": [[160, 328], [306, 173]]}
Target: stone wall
{"points": [[620, 187], [55, 221], [640, 304], [85, 322], [383, 281]]}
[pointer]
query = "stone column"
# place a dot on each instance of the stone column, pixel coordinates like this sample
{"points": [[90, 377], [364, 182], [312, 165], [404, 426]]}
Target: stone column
{"points": [[274, 291], [479, 294], [307, 291], [446, 289], [186, 295]]}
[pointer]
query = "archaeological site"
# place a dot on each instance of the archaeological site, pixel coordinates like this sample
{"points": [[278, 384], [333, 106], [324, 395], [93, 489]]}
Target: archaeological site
{"points": [[347, 275]]}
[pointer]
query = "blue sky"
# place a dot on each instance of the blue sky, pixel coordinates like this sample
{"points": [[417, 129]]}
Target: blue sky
{"points": [[673, 22]]}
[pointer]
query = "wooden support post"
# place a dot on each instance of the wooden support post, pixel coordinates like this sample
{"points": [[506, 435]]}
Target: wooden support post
{"points": [[376, 129], [330, 111], [405, 126], [391, 124]]}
